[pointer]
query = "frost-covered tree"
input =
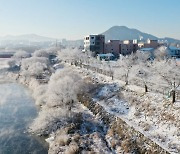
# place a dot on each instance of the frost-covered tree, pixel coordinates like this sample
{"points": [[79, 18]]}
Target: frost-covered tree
{"points": [[143, 56], [37, 69], [34, 66], [125, 63], [41, 53], [161, 53], [12, 63], [169, 72], [63, 88], [21, 54], [53, 50], [140, 74], [49, 120], [39, 93], [69, 55]]}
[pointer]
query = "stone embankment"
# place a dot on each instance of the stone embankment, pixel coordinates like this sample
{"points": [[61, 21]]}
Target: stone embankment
{"points": [[121, 134]]}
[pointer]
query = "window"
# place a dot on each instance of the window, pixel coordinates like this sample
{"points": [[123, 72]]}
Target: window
{"points": [[87, 38], [97, 43], [92, 37], [97, 38]]}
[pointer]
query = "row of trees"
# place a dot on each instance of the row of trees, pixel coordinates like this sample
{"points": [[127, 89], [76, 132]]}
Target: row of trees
{"points": [[36, 64], [57, 96], [160, 74]]}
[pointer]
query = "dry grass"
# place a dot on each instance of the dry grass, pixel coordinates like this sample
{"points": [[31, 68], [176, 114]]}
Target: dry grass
{"points": [[132, 101], [110, 132], [62, 140], [72, 149], [114, 143], [146, 128], [167, 117], [126, 145], [137, 113], [76, 137]]}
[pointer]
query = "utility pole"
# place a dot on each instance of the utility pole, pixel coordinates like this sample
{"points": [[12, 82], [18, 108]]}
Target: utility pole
{"points": [[173, 93]]}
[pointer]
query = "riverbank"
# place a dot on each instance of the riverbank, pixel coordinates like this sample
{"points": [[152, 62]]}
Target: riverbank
{"points": [[62, 118], [70, 128]]}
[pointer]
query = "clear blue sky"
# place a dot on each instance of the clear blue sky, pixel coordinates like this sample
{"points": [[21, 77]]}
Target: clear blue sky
{"points": [[72, 19]]}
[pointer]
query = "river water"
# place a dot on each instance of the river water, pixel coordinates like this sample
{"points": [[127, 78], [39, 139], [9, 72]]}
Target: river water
{"points": [[17, 111]]}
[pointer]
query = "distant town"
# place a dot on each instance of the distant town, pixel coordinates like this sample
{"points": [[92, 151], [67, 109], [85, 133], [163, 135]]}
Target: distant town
{"points": [[101, 91], [117, 40], [113, 48]]}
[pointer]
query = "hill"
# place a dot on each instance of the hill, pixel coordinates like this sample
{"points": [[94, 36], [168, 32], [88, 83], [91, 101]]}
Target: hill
{"points": [[125, 33], [27, 37]]}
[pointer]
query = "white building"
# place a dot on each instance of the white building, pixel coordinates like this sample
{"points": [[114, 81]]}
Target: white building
{"points": [[94, 43]]}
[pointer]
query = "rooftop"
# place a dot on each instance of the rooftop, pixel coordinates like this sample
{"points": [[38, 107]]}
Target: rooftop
{"points": [[147, 49], [104, 55], [173, 48]]}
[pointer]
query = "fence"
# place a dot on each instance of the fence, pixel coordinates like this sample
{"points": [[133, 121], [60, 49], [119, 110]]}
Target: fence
{"points": [[165, 90]]}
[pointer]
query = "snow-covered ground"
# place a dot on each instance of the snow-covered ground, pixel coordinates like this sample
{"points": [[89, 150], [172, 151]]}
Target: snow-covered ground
{"points": [[70, 129], [150, 113], [4, 63], [153, 114], [90, 137]]}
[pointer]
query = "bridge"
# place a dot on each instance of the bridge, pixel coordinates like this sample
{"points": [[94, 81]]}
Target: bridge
{"points": [[6, 54]]}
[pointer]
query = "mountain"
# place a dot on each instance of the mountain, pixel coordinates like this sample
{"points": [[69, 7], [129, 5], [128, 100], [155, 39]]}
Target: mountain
{"points": [[170, 40], [74, 43], [27, 37], [36, 39], [125, 33], [114, 33]]}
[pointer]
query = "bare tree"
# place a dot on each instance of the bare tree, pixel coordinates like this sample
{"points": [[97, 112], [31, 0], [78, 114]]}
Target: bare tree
{"points": [[169, 71]]}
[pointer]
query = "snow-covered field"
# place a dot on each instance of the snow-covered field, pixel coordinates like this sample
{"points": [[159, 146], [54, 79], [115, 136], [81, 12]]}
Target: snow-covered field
{"points": [[90, 136], [153, 114]]}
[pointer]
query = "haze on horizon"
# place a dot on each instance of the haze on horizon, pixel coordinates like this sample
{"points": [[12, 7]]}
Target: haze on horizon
{"points": [[73, 19]]}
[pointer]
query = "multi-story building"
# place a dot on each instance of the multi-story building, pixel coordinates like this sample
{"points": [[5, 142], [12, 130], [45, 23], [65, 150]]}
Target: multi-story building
{"points": [[112, 46], [149, 44], [121, 47], [174, 51], [128, 47], [94, 43]]}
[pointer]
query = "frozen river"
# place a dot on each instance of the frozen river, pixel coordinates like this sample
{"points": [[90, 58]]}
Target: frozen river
{"points": [[17, 111]]}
